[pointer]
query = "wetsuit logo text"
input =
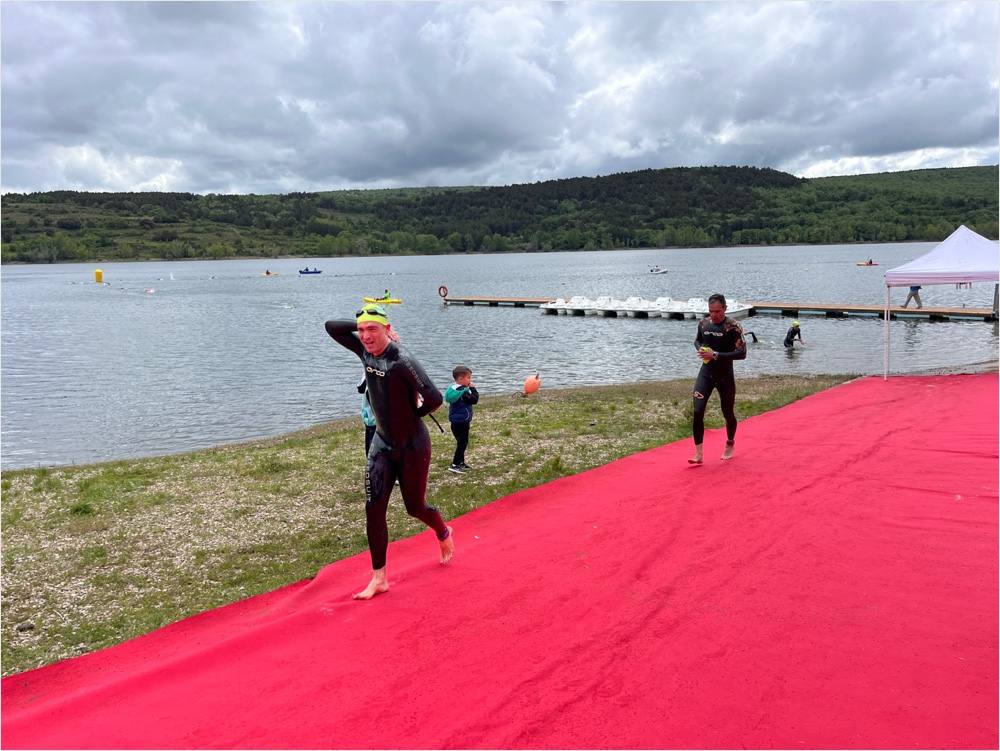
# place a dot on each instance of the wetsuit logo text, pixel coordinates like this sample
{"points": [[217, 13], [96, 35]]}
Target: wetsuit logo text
{"points": [[370, 369]]}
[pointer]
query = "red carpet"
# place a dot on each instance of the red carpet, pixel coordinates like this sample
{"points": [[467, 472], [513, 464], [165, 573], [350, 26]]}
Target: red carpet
{"points": [[834, 586]]}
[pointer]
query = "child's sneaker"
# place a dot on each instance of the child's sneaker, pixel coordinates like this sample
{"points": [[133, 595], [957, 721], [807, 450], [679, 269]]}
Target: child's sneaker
{"points": [[457, 469], [465, 466]]}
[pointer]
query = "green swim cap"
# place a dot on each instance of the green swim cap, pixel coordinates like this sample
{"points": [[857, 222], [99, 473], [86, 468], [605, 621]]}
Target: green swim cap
{"points": [[374, 314], [795, 324]]}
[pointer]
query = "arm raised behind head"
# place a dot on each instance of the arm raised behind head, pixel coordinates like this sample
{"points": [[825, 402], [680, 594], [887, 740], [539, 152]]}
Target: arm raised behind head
{"points": [[345, 333]]}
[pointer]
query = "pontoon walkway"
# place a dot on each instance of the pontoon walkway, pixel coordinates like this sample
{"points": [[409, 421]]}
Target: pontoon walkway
{"points": [[829, 310]]}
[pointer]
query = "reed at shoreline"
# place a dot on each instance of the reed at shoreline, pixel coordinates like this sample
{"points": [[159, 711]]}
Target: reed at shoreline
{"points": [[97, 554]]}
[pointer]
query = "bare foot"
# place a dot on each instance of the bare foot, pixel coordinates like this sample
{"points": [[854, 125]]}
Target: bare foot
{"points": [[696, 459], [376, 586], [447, 546], [727, 452]]}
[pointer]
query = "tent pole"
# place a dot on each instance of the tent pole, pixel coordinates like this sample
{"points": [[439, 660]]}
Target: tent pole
{"points": [[885, 356]]}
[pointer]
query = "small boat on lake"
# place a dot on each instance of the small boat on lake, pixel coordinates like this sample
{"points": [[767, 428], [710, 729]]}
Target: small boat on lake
{"points": [[657, 270], [869, 262], [308, 270]]}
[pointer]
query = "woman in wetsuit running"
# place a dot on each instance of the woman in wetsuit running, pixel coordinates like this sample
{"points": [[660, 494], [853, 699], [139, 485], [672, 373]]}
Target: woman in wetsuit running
{"points": [[719, 342], [400, 393]]}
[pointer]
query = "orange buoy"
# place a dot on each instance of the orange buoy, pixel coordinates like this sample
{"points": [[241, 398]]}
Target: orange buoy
{"points": [[532, 384]]}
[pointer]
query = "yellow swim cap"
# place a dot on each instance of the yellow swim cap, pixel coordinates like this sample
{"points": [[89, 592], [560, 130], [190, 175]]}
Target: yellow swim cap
{"points": [[795, 324], [373, 314]]}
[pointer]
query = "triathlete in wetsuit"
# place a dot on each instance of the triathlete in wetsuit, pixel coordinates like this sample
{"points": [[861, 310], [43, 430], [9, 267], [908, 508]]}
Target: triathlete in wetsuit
{"points": [[719, 342], [400, 394], [792, 333]]}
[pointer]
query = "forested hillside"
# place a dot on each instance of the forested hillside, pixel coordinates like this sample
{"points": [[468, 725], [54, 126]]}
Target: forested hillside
{"points": [[700, 206]]}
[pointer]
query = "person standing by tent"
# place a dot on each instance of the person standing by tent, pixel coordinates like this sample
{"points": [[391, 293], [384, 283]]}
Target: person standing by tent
{"points": [[914, 295], [400, 393], [719, 342]]}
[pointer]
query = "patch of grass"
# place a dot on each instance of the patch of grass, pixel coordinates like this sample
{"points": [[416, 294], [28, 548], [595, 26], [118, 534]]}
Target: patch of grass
{"points": [[110, 580], [44, 481], [163, 538], [156, 499], [114, 485], [82, 508], [284, 490], [269, 466], [84, 524], [12, 514], [93, 554]]}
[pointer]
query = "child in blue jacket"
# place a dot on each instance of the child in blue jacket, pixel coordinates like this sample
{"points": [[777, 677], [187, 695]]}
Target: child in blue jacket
{"points": [[460, 397]]}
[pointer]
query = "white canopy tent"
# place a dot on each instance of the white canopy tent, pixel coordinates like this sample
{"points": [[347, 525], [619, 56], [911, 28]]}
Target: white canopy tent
{"points": [[963, 256]]}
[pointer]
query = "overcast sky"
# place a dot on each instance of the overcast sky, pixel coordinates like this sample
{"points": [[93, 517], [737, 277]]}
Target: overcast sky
{"points": [[239, 97]]}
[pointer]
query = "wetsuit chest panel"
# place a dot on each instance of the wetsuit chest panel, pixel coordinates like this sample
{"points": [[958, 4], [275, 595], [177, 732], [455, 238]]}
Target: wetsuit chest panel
{"points": [[722, 337], [719, 336], [392, 396]]}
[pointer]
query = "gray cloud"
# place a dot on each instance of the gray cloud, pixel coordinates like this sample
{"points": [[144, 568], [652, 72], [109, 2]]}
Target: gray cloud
{"points": [[275, 97]]}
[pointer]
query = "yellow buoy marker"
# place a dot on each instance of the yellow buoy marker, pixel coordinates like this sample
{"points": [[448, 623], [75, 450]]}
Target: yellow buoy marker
{"points": [[98, 276]]}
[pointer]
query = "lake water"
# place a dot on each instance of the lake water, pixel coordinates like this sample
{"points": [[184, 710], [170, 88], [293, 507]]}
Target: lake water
{"points": [[220, 353]]}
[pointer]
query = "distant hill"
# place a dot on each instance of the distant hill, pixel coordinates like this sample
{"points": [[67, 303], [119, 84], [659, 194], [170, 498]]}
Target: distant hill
{"points": [[689, 207]]}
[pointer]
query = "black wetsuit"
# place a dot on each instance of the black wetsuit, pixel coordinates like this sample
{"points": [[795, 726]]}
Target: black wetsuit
{"points": [[401, 448], [726, 339], [793, 332]]}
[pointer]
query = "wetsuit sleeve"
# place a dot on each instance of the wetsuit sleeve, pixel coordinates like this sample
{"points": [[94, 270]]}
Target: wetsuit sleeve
{"points": [[470, 395], [345, 334], [698, 340], [423, 385], [739, 351]]}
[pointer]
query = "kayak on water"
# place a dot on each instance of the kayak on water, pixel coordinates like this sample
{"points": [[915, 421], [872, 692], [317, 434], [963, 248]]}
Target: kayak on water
{"points": [[385, 299]]}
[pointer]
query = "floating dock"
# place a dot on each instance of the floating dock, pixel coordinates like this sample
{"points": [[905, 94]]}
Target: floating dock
{"points": [[782, 308], [844, 310], [515, 302]]}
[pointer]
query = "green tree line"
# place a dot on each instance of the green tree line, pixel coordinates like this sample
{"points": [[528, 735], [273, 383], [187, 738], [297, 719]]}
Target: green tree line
{"points": [[686, 207]]}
